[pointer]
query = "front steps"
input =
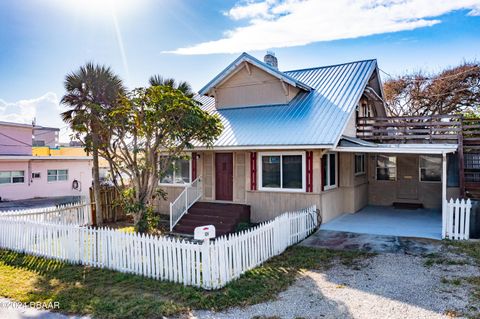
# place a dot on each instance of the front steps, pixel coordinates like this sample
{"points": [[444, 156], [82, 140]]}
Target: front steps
{"points": [[224, 216]]}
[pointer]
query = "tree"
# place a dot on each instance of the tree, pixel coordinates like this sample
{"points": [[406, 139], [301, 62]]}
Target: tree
{"points": [[454, 90], [148, 129], [184, 87], [91, 92]]}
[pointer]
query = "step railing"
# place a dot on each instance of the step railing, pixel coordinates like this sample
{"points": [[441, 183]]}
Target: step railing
{"points": [[184, 201]]}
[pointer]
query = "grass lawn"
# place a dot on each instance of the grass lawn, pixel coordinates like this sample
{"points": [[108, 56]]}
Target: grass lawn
{"points": [[109, 294]]}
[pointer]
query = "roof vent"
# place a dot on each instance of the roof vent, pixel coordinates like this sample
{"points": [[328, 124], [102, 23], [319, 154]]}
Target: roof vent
{"points": [[271, 60]]}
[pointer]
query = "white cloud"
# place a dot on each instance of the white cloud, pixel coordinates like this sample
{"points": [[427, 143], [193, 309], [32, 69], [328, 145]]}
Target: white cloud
{"points": [[45, 109], [287, 23], [475, 12], [251, 10]]}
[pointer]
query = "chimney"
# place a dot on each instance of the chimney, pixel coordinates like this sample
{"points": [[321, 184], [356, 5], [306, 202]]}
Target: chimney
{"points": [[271, 60]]}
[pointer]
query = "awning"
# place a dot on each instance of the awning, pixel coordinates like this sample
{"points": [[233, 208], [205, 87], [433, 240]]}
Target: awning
{"points": [[349, 144]]}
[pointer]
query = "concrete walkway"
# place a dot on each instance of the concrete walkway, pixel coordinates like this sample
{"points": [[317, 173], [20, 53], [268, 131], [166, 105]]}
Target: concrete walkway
{"points": [[371, 243], [380, 220], [37, 202]]}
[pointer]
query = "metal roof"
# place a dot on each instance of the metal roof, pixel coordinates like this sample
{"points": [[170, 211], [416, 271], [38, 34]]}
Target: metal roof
{"points": [[315, 118], [245, 57]]}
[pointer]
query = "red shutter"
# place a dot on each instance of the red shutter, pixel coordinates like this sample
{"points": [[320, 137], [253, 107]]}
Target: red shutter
{"points": [[309, 171], [194, 166], [253, 171], [322, 169]]}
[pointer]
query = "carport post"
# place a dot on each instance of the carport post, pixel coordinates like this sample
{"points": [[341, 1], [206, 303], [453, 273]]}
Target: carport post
{"points": [[444, 193]]}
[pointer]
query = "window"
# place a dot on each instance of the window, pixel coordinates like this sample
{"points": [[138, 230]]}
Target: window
{"points": [[36, 175], [282, 171], [177, 173], [38, 143], [54, 175], [12, 177], [359, 164], [386, 168], [430, 168], [329, 170]]}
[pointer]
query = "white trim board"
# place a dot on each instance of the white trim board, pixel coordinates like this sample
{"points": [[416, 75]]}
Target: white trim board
{"points": [[402, 149]]}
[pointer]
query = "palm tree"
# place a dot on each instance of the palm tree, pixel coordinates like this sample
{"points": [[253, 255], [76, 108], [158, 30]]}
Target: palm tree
{"points": [[90, 92], [182, 85]]}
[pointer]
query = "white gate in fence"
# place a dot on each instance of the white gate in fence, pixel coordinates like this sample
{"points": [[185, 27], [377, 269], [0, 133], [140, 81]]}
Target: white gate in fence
{"points": [[456, 219], [210, 265], [79, 214]]}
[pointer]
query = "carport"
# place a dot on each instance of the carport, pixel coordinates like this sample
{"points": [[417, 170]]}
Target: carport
{"points": [[419, 202], [387, 220]]}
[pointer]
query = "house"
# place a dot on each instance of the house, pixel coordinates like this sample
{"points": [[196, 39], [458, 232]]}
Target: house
{"points": [[45, 136], [23, 175], [296, 138], [72, 149]]}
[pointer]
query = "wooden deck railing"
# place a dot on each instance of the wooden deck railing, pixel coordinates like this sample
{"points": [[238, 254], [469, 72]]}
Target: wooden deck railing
{"points": [[410, 129]]}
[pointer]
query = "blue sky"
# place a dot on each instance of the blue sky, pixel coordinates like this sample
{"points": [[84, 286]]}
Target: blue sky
{"points": [[42, 40]]}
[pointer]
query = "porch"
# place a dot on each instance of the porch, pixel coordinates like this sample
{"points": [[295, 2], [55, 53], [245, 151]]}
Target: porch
{"points": [[387, 220]]}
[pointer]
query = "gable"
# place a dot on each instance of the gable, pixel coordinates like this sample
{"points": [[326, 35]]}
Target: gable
{"points": [[252, 86], [313, 119], [370, 104]]}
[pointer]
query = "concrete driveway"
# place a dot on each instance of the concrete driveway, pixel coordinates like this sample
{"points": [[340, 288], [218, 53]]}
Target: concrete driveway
{"points": [[389, 221], [371, 243], [37, 202]]}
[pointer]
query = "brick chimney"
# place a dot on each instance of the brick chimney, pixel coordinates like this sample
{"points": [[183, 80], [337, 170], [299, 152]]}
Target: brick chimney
{"points": [[271, 60]]}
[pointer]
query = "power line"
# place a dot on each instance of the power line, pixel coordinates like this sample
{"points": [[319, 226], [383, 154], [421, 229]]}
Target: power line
{"points": [[14, 139]]}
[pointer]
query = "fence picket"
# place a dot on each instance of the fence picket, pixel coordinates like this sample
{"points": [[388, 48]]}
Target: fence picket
{"points": [[59, 233], [456, 220]]}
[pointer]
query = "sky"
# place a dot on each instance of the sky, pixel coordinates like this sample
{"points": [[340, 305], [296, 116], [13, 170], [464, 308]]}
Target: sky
{"points": [[41, 41]]}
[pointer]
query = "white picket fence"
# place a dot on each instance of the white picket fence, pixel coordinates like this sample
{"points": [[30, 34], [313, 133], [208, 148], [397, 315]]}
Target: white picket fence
{"points": [[78, 213], [456, 219], [210, 265]]}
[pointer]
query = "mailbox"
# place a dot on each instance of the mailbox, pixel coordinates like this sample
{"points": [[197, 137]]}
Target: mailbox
{"points": [[204, 232]]}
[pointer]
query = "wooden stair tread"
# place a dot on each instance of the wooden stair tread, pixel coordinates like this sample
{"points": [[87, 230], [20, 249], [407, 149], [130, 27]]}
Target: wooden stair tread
{"points": [[224, 216]]}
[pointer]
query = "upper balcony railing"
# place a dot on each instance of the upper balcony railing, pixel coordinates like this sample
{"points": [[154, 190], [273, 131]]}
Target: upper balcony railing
{"points": [[420, 129]]}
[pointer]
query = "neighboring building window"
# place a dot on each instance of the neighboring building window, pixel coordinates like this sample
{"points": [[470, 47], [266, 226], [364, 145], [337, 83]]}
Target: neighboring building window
{"points": [[36, 175], [54, 175], [282, 171], [330, 170], [12, 177], [177, 173], [430, 168], [359, 164], [38, 143], [386, 168]]}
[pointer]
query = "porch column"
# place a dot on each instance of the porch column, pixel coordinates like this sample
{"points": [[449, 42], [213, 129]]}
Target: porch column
{"points": [[444, 194]]}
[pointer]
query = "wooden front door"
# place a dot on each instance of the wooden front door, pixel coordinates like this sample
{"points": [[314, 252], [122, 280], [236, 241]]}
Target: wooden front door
{"points": [[224, 176], [407, 177]]}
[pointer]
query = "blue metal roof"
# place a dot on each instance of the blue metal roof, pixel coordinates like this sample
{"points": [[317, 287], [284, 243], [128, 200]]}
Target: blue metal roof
{"points": [[314, 118]]}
